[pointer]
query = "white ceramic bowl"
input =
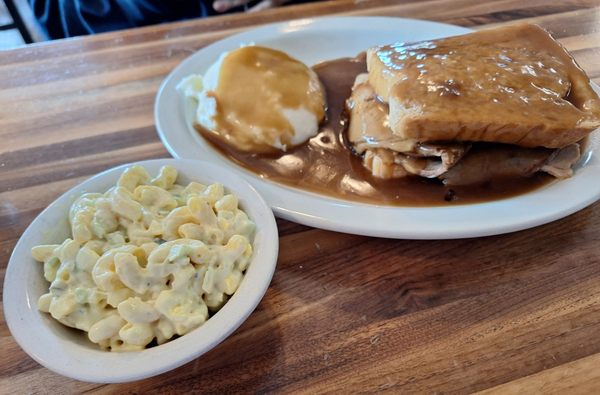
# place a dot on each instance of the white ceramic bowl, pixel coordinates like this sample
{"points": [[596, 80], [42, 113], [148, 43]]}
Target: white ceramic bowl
{"points": [[68, 351]]}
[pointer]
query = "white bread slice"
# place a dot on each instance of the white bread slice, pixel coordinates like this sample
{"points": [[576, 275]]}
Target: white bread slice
{"points": [[513, 85]]}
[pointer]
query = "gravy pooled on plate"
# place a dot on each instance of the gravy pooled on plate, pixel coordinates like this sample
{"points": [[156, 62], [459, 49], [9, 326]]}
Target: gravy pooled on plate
{"points": [[327, 165]]}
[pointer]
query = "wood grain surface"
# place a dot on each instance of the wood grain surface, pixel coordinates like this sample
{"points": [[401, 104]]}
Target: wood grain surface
{"points": [[504, 314]]}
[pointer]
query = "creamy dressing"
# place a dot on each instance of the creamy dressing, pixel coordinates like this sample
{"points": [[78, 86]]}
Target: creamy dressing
{"points": [[147, 260]]}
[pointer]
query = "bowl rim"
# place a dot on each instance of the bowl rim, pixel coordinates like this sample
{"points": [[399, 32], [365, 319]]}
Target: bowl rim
{"points": [[68, 358]]}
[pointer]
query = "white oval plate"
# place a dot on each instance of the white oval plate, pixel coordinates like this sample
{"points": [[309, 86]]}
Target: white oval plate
{"points": [[319, 39], [68, 351]]}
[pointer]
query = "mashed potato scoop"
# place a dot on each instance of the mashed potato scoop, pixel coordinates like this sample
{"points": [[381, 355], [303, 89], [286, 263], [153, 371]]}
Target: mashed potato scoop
{"points": [[257, 99]]}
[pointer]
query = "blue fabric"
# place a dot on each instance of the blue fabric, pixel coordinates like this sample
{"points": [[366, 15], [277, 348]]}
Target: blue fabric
{"points": [[68, 18]]}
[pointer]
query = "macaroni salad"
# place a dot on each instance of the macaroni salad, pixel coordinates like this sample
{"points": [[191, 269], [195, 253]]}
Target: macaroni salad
{"points": [[148, 260]]}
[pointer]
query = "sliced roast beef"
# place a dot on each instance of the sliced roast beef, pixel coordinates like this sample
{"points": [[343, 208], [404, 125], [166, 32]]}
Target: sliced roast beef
{"points": [[385, 154], [486, 162], [562, 160]]}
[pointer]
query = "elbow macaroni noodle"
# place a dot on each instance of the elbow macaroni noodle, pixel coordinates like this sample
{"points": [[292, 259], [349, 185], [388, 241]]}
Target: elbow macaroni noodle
{"points": [[148, 260]]}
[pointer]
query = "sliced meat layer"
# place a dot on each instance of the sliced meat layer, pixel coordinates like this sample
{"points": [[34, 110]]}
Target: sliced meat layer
{"points": [[368, 127], [486, 162], [384, 153], [560, 164]]}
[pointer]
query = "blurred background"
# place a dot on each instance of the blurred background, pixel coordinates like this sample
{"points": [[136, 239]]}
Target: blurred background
{"points": [[18, 25], [28, 21]]}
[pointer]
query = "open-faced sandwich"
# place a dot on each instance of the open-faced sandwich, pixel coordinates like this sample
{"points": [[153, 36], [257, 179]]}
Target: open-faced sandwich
{"points": [[507, 102]]}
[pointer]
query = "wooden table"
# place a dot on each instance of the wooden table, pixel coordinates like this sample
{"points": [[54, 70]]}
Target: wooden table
{"points": [[344, 313]]}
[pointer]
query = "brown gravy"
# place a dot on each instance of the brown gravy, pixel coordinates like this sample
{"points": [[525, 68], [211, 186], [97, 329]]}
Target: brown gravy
{"points": [[256, 72], [327, 165]]}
